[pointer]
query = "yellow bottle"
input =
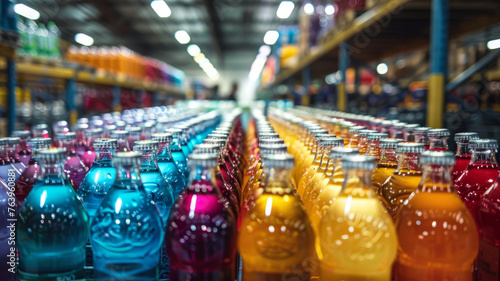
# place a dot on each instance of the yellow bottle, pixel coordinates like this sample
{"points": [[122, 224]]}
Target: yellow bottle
{"points": [[354, 136], [405, 179], [308, 155], [357, 237], [345, 126], [373, 148], [362, 142], [387, 164], [276, 239]]}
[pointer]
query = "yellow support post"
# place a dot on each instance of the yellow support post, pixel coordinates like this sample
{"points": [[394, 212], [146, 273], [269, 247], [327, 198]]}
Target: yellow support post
{"points": [[435, 101]]}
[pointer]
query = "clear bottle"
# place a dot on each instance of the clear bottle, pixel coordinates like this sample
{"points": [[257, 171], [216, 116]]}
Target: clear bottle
{"points": [[122, 137], [373, 148], [354, 136], [168, 168], [362, 142], [357, 237], [405, 179], [184, 140], [421, 136], [48, 248], [464, 153], [438, 139], [74, 168], [177, 152], [409, 132], [276, 238], [53, 44], [40, 131], [386, 165], [28, 178], [127, 230], [135, 135], [437, 235], [100, 177], [201, 231], [24, 150]]}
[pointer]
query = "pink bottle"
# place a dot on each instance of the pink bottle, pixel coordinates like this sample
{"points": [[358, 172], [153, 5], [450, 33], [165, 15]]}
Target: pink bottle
{"points": [[88, 156], [74, 168], [24, 151], [464, 153]]}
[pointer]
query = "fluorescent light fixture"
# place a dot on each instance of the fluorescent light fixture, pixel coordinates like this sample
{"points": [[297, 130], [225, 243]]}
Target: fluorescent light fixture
{"points": [[84, 39], [271, 37], [161, 8], [182, 36], [193, 50], [199, 57], [493, 44], [285, 9], [329, 9], [309, 8], [265, 50], [382, 68], [203, 62], [26, 11]]}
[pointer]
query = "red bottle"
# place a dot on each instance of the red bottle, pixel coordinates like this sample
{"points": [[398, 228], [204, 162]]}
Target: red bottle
{"points": [[464, 153], [438, 139], [480, 174], [421, 136]]}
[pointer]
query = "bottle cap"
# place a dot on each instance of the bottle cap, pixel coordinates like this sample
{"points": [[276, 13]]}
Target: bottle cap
{"points": [[398, 125], [23, 134], [121, 125], [105, 143], [358, 162], [109, 128], [284, 160], [120, 134], [331, 142], [222, 129], [376, 121], [389, 143], [376, 136], [410, 127], [65, 137], [203, 159], [339, 152], [364, 133], [271, 141], [148, 124], [438, 133], [270, 148], [356, 129], [320, 136], [163, 137], [51, 154], [40, 127], [217, 136], [37, 143], [483, 144], [135, 130], [220, 142], [217, 132], [387, 123], [437, 158], [422, 130], [97, 123], [269, 136], [3, 141], [174, 131], [93, 133], [206, 148], [127, 158], [13, 140], [410, 147], [145, 145], [318, 131], [81, 127], [346, 124], [468, 136]]}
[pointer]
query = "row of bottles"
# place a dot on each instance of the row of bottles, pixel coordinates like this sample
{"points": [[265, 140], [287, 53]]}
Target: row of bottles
{"points": [[37, 40]]}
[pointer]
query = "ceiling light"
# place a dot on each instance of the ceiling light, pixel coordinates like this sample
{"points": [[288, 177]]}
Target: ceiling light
{"points": [[493, 44], [329, 9], [265, 50], [26, 11], [199, 57], [161, 8], [193, 50], [285, 9], [271, 37], [84, 39], [182, 36], [309, 8], [382, 68], [203, 62]]}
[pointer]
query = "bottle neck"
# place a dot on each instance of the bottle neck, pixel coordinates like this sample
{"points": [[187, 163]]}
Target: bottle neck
{"points": [[484, 157], [149, 159], [436, 178], [359, 180], [336, 164], [277, 178], [128, 173], [164, 152], [80, 137], [409, 161], [439, 143], [463, 149], [51, 168], [176, 143], [69, 145], [123, 145], [373, 149], [203, 174], [322, 153], [104, 154], [388, 156]]}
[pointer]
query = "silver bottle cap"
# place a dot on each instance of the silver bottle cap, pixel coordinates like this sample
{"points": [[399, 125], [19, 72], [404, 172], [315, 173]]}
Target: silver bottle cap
{"points": [[145, 145], [468, 136], [206, 148], [105, 143], [13, 140], [203, 159], [51, 154], [66, 137], [410, 147], [163, 137], [389, 143], [437, 158], [127, 158], [120, 134], [37, 143], [376, 136], [438, 133], [483, 144], [23, 134], [339, 152], [358, 162], [93, 133], [364, 133]]}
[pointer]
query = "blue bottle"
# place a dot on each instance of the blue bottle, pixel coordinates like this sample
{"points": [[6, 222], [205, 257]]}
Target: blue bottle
{"points": [[172, 174], [127, 230], [100, 177], [52, 225], [178, 154], [154, 184], [184, 140]]}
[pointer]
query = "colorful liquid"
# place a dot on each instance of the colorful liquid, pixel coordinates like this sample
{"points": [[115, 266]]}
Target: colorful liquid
{"points": [[173, 175], [158, 190], [398, 188], [462, 161], [75, 170], [96, 185], [88, 158], [180, 161], [380, 176], [26, 181]]}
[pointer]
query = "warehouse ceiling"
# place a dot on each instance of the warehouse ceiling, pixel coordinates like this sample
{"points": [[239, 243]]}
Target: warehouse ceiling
{"points": [[229, 32]]}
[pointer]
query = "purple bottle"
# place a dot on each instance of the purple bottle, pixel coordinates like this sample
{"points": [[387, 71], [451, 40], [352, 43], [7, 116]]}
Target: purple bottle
{"points": [[74, 168], [81, 139], [88, 156], [24, 149], [122, 137], [201, 230], [13, 154]]}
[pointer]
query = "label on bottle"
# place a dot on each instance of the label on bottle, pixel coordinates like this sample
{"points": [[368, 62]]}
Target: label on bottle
{"points": [[488, 262]]}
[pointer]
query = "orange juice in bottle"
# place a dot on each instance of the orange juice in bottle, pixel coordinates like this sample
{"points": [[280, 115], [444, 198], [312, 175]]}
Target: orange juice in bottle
{"points": [[387, 164], [354, 136], [362, 142], [405, 179], [307, 154], [438, 239], [357, 237]]}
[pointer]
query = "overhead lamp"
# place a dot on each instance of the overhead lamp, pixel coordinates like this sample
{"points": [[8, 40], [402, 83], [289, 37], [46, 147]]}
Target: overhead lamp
{"points": [[84, 39], [285, 9], [182, 36], [161, 8], [26, 11], [271, 37], [199, 57], [309, 8], [382, 68], [203, 62], [193, 50], [329, 9], [493, 44]]}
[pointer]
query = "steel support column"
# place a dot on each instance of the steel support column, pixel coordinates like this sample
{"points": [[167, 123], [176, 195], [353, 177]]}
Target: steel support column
{"points": [[11, 96], [343, 65], [70, 101], [439, 63]]}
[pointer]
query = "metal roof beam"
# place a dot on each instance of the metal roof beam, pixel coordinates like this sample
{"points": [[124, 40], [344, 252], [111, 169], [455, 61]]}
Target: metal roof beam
{"points": [[214, 24]]}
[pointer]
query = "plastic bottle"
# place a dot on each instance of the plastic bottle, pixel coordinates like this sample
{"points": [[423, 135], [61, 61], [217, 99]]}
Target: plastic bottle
{"points": [[48, 248], [74, 168], [177, 152], [200, 214], [357, 237], [22, 29], [135, 135], [480, 174], [373, 148], [53, 40], [354, 136], [362, 142], [89, 155], [24, 150], [464, 153], [438, 139], [32, 40], [127, 230], [42, 36], [81, 139], [405, 179], [421, 136], [122, 137], [168, 168], [32, 172], [387, 164], [437, 235], [271, 248]]}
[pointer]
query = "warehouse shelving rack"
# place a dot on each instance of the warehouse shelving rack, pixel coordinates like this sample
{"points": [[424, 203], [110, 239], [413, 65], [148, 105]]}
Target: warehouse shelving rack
{"points": [[396, 27]]}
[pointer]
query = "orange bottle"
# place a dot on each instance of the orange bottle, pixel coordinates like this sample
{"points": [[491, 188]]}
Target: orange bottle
{"points": [[438, 239], [373, 141], [362, 142], [387, 164], [308, 154], [354, 136]]}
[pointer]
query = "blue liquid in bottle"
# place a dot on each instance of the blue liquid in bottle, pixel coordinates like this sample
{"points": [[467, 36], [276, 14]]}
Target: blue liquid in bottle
{"points": [[127, 230], [100, 177], [172, 174], [52, 225], [177, 152]]}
